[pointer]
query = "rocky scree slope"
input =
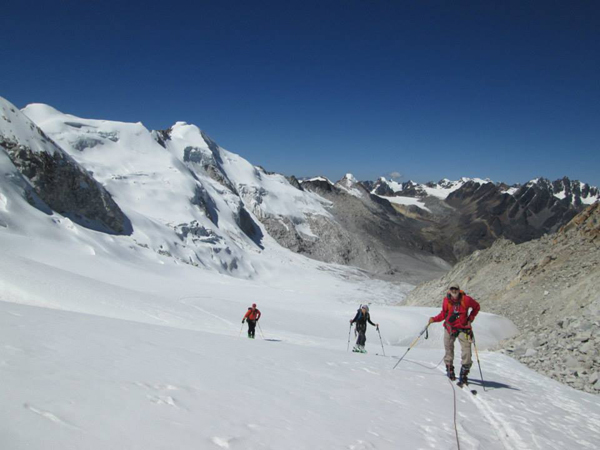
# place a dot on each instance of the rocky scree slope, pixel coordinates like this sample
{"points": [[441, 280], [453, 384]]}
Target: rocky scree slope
{"points": [[549, 287], [375, 236]]}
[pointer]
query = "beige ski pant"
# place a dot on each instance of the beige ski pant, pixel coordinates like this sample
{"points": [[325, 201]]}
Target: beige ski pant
{"points": [[465, 349]]}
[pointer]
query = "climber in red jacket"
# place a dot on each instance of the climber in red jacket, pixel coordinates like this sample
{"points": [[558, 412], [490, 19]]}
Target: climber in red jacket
{"points": [[457, 322]]}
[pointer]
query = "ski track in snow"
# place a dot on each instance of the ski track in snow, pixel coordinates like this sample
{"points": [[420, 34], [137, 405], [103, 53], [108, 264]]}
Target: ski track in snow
{"points": [[50, 416], [507, 435]]}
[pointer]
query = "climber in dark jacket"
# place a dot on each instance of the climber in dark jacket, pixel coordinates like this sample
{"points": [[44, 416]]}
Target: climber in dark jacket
{"points": [[361, 319]]}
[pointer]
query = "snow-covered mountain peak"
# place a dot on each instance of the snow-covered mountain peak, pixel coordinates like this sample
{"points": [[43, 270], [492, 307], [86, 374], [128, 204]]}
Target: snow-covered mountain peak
{"points": [[17, 129], [349, 178], [317, 179], [351, 185], [187, 197], [441, 189]]}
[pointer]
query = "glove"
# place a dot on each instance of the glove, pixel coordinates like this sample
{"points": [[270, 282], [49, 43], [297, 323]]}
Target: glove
{"points": [[243, 320], [430, 321]]}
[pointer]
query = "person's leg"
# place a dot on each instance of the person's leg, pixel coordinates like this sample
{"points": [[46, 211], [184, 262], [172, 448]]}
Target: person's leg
{"points": [[251, 328], [449, 355], [362, 339], [449, 348], [465, 356], [465, 349]]}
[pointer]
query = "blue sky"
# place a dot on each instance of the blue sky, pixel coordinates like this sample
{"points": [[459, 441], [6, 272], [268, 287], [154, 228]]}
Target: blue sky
{"points": [[429, 89]]}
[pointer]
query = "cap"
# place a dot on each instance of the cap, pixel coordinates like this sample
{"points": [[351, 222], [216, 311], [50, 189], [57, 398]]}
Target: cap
{"points": [[254, 305], [365, 307], [453, 286]]}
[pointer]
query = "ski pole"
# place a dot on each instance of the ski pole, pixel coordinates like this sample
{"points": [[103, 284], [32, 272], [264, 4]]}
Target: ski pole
{"points": [[241, 329], [349, 331], [381, 340], [260, 329], [478, 363], [413, 343]]}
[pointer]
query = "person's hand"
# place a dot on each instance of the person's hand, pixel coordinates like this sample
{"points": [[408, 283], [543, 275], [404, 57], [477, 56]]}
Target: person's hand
{"points": [[430, 321], [350, 320], [377, 325], [243, 320]]}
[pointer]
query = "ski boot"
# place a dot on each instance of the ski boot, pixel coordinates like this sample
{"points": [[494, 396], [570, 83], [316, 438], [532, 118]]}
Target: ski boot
{"points": [[356, 349], [464, 372], [450, 372], [362, 349]]}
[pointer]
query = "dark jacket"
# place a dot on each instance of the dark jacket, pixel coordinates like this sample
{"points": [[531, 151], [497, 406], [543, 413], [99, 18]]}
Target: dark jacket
{"points": [[361, 320]]}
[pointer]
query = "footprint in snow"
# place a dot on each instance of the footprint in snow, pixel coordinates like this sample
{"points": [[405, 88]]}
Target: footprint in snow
{"points": [[221, 442]]}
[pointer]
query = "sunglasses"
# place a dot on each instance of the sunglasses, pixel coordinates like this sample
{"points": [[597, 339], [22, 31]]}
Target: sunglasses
{"points": [[453, 289]]}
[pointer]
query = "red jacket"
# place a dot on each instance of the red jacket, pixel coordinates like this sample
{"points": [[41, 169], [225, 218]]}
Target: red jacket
{"points": [[455, 314], [252, 314]]}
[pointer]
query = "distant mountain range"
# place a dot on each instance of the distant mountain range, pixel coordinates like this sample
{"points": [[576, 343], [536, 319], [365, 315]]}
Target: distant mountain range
{"points": [[574, 192], [176, 193]]}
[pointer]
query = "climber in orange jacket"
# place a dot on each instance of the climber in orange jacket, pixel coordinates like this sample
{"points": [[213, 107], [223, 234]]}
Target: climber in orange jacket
{"points": [[252, 316]]}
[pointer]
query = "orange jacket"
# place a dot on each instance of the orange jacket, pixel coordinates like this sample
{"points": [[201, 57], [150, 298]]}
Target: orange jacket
{"points": [[252, 314]]}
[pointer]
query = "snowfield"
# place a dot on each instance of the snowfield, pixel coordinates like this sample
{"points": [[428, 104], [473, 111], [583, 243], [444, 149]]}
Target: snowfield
{"points": [[99, 353], [136, 341]]}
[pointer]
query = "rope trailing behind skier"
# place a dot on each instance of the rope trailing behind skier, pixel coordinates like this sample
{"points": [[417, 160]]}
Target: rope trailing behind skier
{"points": [[455, 427]]}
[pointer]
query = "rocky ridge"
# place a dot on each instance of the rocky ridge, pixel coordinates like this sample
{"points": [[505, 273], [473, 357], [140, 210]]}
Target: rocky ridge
{"points": [[471, 214], [549, 288]]}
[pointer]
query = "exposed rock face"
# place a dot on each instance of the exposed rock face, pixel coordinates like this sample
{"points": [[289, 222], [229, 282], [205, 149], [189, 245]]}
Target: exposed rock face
{"points": [[210, 163], [56, 178], [471, 214], [484, 213], [549, 288], [369, 233]]}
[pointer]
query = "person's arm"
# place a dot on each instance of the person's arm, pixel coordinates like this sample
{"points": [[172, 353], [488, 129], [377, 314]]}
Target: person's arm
{"points": [[355, 317], [442, 315], [474, 310], [369, 319], [258, 314], [246, 316]]}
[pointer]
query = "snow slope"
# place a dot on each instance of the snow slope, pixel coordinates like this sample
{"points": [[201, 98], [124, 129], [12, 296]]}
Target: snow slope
{"points": [[406, 201], [130, 353]]}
